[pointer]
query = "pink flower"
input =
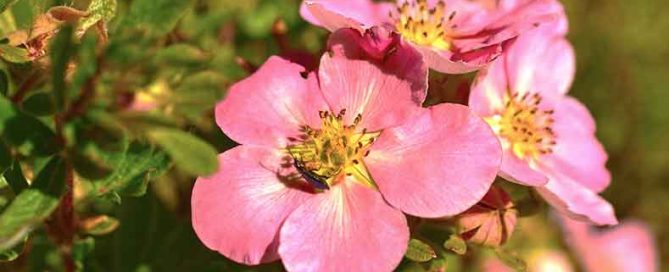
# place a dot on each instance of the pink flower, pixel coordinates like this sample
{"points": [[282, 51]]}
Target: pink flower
{"points": [[330, 161], [541, 260], [454, 36], [548, 138], [627, 247]]}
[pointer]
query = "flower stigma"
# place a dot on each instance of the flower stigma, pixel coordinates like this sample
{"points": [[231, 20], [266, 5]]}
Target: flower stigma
{"points": [[422, 25], [324, 156], [525, 128]]}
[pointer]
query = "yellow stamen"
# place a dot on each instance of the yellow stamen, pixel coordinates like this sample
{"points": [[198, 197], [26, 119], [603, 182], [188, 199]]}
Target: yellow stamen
{"points": [[423, 25], [326, 154], [524, 128]]}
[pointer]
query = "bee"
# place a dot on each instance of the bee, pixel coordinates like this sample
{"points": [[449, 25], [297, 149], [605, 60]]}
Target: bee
{"points": [[316, 180]]}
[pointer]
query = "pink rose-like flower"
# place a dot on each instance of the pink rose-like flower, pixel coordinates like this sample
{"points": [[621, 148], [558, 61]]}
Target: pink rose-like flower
{"points": [[548, 138], [627, 247], [454, 36], [329, 162]]}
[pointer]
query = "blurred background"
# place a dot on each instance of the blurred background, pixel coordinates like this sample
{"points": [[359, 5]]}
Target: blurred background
{"points": [[622, 76]]}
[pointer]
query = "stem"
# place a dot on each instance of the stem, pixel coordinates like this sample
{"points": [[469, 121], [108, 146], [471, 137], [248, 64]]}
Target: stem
{"points": [[25, 87]]}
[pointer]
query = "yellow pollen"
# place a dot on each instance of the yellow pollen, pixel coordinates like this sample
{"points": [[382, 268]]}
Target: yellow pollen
{"points": [[422, 25], [524, 127], [324, 156]]}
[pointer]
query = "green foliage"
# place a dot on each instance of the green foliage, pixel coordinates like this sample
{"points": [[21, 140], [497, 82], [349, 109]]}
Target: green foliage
{"points": [[61, 51], [456, 244], [188, 152], [159, 16], [4, 83], [13, 54], [98, 11], [32, 205], [4, 4], [419, 251], [25, 132]]}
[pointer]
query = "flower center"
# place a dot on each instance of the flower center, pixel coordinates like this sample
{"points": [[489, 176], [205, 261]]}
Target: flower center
{"points": [[323, 156], [422, 25], [526, 128]]}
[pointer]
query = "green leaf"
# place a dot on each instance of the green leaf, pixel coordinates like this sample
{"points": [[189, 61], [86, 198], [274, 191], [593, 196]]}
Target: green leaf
{"points": [[13, 54], [98, 10], [89, 166], [5, 157], [81, 249], [4, 4], [32, 205], [28, 134], [456, 244], [190, 153], [61, 51], [419, 251], [511, 259], [4, 83], [99, 225], [13, 253], [160, 16], [39, 104], [133, 169], [15, 178], [181, 55]]}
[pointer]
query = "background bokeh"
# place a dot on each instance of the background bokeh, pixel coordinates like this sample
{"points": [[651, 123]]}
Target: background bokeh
{"points": [[622, 76]]}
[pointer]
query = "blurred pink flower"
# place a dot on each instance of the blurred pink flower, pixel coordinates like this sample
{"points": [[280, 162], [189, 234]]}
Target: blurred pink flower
{"points": [[627, 247], [454, 36], [541, 260], [548, 137], [329, 162]]}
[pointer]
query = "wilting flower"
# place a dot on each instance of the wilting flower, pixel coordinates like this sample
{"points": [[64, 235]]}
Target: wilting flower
{"points": [[491, 221], [548, 138], [455, 36], [627, 247], [329, 162]]}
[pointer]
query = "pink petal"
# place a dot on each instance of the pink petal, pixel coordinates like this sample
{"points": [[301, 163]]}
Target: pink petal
{"points": [[450, 63], [627, 247], [238, 210], [487, 92], [270, 105], [386, 49], [347, 228], [335, 14], [438, 164], [519, 171], [360, 87], [577, 201], [577, 154], [540, 61], [508, 20]]}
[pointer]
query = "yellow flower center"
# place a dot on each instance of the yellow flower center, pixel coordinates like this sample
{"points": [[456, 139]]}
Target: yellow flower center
{"points": [[324, 156], [422, 25], [524, 127]]}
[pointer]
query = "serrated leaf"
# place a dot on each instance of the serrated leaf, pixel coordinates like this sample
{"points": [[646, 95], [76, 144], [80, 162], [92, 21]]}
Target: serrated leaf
{"points": [[39, 104], [133, 169], [511, 259], [190, 153], [456, 244], [99, 225], [4, 83], [28, 134], [32, 205], [98, 10], [14, 177], [61, 51], [159, 16], [419, 251], [14, 54]]}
